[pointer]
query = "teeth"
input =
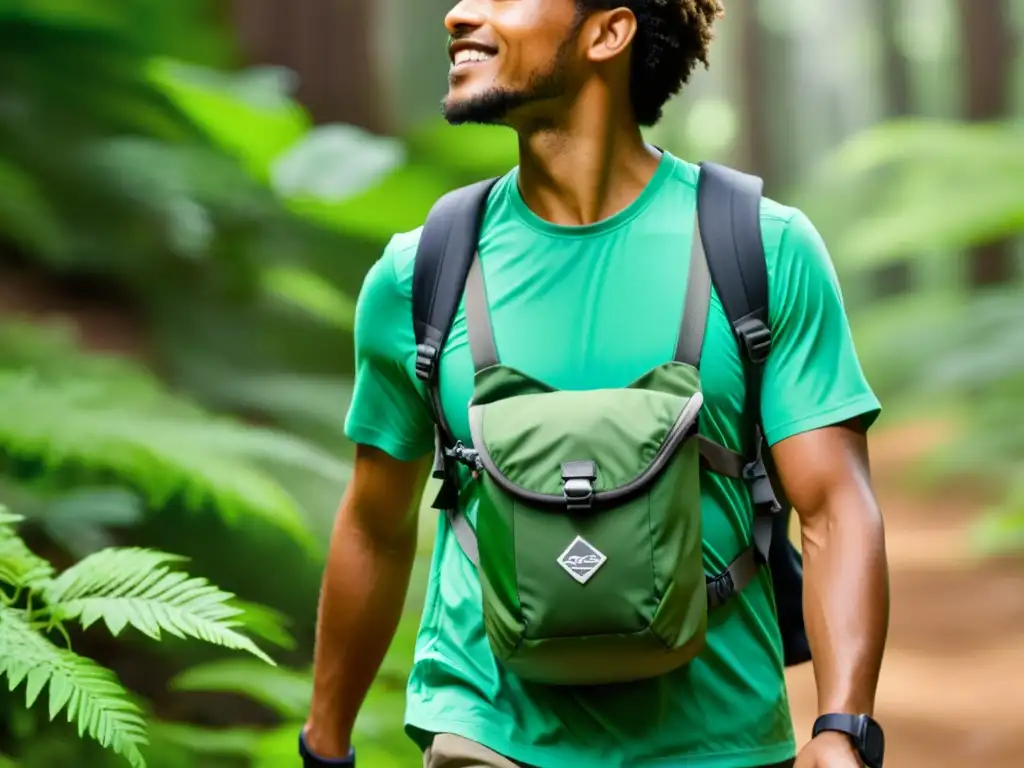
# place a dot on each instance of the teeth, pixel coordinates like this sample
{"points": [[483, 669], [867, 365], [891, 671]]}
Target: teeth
{"points": [[470, 54]]}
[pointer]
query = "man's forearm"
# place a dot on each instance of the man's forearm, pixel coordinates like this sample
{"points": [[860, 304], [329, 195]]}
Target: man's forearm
{"points": [[364, 587], [846, 600]]}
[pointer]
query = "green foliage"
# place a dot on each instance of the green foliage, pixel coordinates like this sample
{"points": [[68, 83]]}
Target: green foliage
{"points": [[122, 587], [911, 187], [90, 416], [922, 190]]}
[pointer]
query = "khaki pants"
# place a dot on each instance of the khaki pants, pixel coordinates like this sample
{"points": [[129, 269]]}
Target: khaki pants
{"points": [[451, 751]]}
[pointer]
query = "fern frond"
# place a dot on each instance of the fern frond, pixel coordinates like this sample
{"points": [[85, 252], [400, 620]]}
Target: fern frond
{"points": [[287, 692], [93, 697], [9, 518], [19, 566], [156, 444], [133, 586]]}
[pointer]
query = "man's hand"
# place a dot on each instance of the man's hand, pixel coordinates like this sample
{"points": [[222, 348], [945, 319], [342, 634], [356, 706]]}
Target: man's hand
{"points": [[828, 750]]}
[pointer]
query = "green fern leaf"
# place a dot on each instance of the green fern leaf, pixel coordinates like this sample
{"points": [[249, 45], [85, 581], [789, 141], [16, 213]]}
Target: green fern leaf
{"points": [[162, 447], [19, 566], [9, 518], [287, 692], [95, 701], [132, 586]]}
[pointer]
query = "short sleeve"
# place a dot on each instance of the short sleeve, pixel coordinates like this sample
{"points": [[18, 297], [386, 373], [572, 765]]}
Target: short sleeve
{"points": [[389, 410], [813, 377]]}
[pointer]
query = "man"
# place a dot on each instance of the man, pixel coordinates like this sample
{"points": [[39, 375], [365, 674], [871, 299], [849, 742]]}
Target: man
{"points": [[592, 223]]}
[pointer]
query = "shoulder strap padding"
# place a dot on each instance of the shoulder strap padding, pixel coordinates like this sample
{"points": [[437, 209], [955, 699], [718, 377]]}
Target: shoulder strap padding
{"points": [[446, 248], [729, 208]]}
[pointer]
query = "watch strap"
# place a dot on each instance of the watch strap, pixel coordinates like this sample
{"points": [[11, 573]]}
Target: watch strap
{"points": [[312, 760], [870, 746]]}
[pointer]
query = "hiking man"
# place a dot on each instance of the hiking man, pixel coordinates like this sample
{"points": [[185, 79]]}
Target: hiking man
{"points": [[582, 622]]}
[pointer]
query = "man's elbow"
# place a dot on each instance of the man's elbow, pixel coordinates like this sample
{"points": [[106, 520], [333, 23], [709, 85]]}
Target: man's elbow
{"points": [[846, 513]]}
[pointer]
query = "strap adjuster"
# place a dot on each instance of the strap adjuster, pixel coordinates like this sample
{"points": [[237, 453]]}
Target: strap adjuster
{"points": [[465, 456], [720, 589], [426, 361], [756, 337], [578, 484], [761, 489]]}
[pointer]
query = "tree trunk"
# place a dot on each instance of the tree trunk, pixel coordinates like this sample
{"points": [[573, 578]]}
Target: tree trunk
{"points": [[988, 55], [756, 136], [896, 278], [330, 46], [895, 69]]}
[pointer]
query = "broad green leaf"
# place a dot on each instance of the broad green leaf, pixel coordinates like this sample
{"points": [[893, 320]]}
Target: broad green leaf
{"points": [[286, 692], [399, 203], [311, 293], [336, 162], [250, 114]]}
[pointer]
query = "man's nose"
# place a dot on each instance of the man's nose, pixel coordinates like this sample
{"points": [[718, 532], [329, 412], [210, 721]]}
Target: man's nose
{"points": [[466, 16]]}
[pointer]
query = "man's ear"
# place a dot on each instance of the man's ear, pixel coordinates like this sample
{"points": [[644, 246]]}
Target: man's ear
{"points": [[606, 34]]}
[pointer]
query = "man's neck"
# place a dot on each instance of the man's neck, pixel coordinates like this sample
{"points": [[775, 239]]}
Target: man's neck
{"points": [[590, 166]]}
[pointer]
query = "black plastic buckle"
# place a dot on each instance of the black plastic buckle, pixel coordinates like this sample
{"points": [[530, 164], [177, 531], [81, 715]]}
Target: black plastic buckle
{"points": [[578, 484], [756, 338], [579, 493], [465, 456], [426, 361], [720, 589], [761, 487]]}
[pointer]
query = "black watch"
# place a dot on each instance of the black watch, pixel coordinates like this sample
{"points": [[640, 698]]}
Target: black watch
{"points": [[865, 733], [312, 760]]}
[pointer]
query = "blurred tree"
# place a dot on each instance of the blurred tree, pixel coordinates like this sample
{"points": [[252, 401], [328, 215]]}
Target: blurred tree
{"points": [[989, 50], [896, 277], [895, 67], [330, 45]]}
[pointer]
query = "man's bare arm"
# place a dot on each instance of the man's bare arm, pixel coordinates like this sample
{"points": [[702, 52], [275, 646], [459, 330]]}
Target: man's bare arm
{"points": [[826, 476], [364, 587]]}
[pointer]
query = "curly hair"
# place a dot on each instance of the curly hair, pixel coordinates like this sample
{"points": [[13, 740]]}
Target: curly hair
{"points": [[672, 36]]}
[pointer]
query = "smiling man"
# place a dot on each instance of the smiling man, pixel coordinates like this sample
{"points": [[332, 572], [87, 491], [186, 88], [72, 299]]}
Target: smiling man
{"points": [[576, 626]]}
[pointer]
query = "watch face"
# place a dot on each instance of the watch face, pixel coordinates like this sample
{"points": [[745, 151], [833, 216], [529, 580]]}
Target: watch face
{"points": [[874, 742]]}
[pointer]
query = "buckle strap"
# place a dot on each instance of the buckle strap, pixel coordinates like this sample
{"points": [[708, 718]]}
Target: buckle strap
{"points": [[720, 459], [743, 569]]}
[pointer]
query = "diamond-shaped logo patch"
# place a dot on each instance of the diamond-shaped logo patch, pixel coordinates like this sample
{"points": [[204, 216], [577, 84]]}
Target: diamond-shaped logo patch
{"points": [[581, 560]]}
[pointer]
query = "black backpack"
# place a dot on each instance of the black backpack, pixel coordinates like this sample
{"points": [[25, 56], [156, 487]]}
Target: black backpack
{"points": [[728, 207]]}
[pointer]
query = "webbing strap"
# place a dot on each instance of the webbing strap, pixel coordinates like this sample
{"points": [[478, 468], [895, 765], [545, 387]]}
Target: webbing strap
{"points": [[464, 534], [743, 569], [478, 319], [720, 459], [695, 309]]}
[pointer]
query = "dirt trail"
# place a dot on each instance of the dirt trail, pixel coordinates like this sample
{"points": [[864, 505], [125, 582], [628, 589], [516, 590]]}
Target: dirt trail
{"points": [[952, 687]]}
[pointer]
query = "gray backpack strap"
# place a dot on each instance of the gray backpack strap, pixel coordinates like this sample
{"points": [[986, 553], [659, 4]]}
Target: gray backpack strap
{"points": [[729, 204], [695, 307], [446, 248]]}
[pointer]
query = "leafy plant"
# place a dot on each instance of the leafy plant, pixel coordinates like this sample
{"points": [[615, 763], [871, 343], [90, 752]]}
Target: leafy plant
{"points": [[922, 191], [120, 588], [95, 417]]}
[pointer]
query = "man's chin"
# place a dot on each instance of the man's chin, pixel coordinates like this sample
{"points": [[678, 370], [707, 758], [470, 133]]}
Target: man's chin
{"points": [[489, 108]]}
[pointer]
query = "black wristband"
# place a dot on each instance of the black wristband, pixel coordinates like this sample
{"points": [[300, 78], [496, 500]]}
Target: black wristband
{"points": [[312, 760], [864, 733]]}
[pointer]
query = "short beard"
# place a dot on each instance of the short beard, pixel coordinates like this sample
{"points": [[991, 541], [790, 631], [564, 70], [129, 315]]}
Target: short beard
{"points": [[494, 106]]}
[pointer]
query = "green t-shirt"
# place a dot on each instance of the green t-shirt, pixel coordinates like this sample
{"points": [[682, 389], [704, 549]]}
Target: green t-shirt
{"points": [[614, 290]]}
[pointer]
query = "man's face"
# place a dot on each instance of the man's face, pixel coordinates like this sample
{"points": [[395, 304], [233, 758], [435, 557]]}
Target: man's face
{"points": [[508, 57]]}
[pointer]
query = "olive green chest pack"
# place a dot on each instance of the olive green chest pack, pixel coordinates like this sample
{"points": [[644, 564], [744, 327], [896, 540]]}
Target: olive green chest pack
{"points": [[588, 532]]}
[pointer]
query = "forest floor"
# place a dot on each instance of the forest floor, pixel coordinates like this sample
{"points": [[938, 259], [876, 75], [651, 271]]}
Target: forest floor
{"points": [[952, 687]]}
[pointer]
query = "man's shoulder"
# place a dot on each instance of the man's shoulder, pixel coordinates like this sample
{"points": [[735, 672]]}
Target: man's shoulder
{"points": [[400, 254]]}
